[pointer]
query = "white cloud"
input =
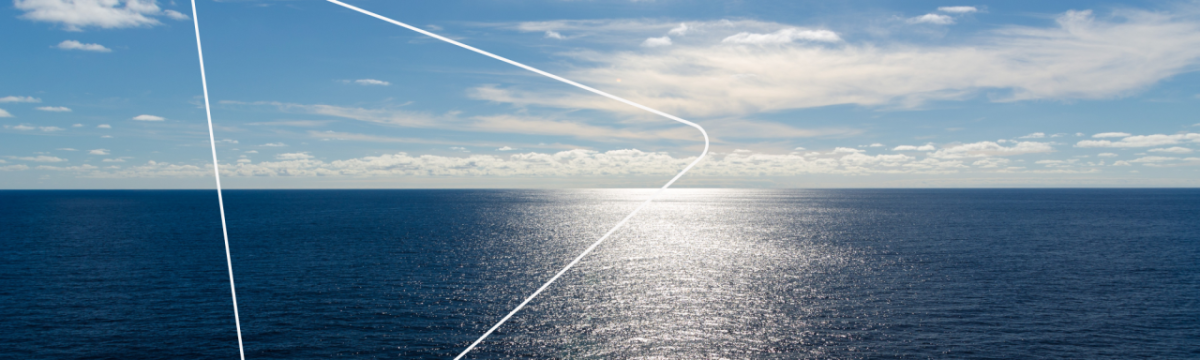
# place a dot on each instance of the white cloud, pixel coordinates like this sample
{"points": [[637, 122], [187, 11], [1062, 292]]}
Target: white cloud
{"points": [[145, 117], [22, 127], [175, 15], [554, 35], [274, 144], [28, 99], [1121, 163], [875, 145], [40, 158], [372, 82], [847, 150], [1111, 134], [1081, 57], [66, 149], [798, 148], [1142, 141], [1173, 150], [783, 36], [1153, 159], [113, 160], [958, 9], [657, 41], [17, 167], [77, 125], [505, 148], [926, 147], [991, 149], [459, 148], [1107, 155], [75, 15], [54, 108], [75, 45], [937, 19], [104, 126], [294, 156], [991, 163], [252, 152], [4, 114], [98, 152], [1036, 135], [50, 128], [680, 30], [227, 141]]}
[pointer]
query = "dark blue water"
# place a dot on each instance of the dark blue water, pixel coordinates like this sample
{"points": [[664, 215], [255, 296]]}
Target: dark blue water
{"points": [[702, 274]]}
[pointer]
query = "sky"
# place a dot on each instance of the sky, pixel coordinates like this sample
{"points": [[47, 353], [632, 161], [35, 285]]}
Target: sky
{"points": [[794, 94]]}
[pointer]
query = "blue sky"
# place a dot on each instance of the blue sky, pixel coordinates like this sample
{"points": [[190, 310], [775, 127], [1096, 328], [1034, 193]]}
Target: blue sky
{"points": [[306, 94]]}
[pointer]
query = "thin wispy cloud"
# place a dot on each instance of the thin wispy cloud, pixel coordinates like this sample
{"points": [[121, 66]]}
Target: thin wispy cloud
{"points": [[372, 82], [19, 99], [145, 117], [76, 45], [958, 9], [936, 19], [54, 108], [1081, 57]]}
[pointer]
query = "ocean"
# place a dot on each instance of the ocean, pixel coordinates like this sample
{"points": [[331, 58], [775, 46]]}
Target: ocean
{"points": [[700, 274]]}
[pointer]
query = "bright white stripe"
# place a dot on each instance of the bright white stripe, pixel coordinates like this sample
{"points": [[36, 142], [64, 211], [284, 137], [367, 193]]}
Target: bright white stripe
{"points": [[217, 173], [578, 85]]}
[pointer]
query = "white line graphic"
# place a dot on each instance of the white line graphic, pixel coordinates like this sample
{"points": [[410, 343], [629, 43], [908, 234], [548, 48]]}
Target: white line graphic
{"points": [[575, 84], [217, 174]]}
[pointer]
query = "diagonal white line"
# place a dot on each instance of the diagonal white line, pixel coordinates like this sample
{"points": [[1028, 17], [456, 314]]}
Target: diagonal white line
{"points": [[575, 84], [217, 173]]}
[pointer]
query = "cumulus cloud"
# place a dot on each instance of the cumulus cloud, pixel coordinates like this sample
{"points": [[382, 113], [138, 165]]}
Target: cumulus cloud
{"points": [[505, 148], [1080, 57], [1111, 134], [783, 36], [274, 144], [294, 156], [98, 152], [76, 45], [1173, 150], [104, 126], [657, 41], [991, 163], [4, 114], [371, 82], [50, 128], [1107, 155], [1142, 141], [145, 117], [19, 99], [75, 15], [54, 108], [1036, 135], [680, 30], [550, 34], [875, 145], [991, 149], [926, 147], [77, 125], [937, 19], [958, 9]]}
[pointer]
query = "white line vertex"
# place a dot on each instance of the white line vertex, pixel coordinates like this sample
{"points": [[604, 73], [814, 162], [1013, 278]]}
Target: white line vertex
{"points": [[575, 84], [217, 174]]}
